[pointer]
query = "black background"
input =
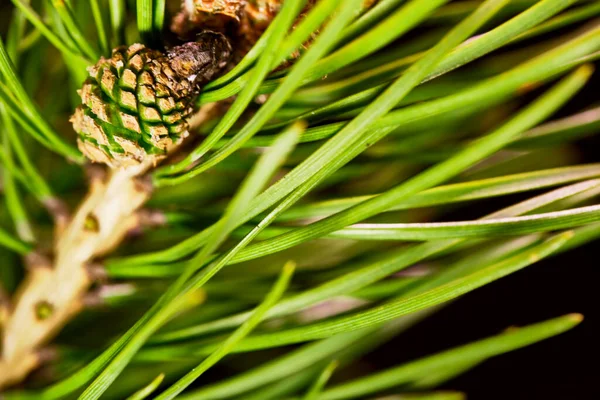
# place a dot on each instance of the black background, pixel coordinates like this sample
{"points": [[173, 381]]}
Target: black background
{"points": [[563, 367]]}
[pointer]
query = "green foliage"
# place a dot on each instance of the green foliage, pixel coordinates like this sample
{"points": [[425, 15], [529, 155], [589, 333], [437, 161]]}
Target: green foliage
{"points": [[341, 157], [150, 17], [147, 391], [231, 342], [317, 387]]}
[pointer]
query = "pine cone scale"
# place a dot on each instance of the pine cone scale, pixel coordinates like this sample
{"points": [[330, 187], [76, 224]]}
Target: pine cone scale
{"points": [[135, 104]]}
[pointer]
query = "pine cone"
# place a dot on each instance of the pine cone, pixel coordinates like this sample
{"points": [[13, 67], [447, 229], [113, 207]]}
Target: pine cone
{"points": [[222, 9], [257, 16], [243, 20], [136, 103]]}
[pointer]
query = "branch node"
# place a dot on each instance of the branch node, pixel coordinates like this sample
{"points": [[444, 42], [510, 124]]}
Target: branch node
{"points": [[59, 211], [43, 310], [36, 259]]}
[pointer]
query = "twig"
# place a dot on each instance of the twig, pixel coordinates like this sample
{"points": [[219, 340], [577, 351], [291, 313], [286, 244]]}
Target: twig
{"points": [[53, 292], [51, 295]]}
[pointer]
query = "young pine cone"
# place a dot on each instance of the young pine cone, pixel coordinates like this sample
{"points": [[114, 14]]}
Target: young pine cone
{"points": [[135, 104]]}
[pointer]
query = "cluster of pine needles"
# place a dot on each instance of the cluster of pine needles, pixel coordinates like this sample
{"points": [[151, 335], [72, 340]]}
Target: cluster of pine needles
{"points": [[303, 230]]}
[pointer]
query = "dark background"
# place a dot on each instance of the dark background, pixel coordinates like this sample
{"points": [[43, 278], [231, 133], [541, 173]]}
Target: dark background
{"points": [[563, 367]]}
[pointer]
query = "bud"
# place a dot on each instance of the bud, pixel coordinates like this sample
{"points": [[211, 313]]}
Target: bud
{"points": [[135, 104]]}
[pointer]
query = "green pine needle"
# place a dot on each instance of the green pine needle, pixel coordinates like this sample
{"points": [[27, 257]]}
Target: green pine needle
{"points": [[100, 28], [146, 391], [150, 19], [270, 299], [321, 381]]}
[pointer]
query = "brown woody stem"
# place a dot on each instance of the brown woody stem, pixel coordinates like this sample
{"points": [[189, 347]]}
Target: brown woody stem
{"points": [[53, 292]]}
